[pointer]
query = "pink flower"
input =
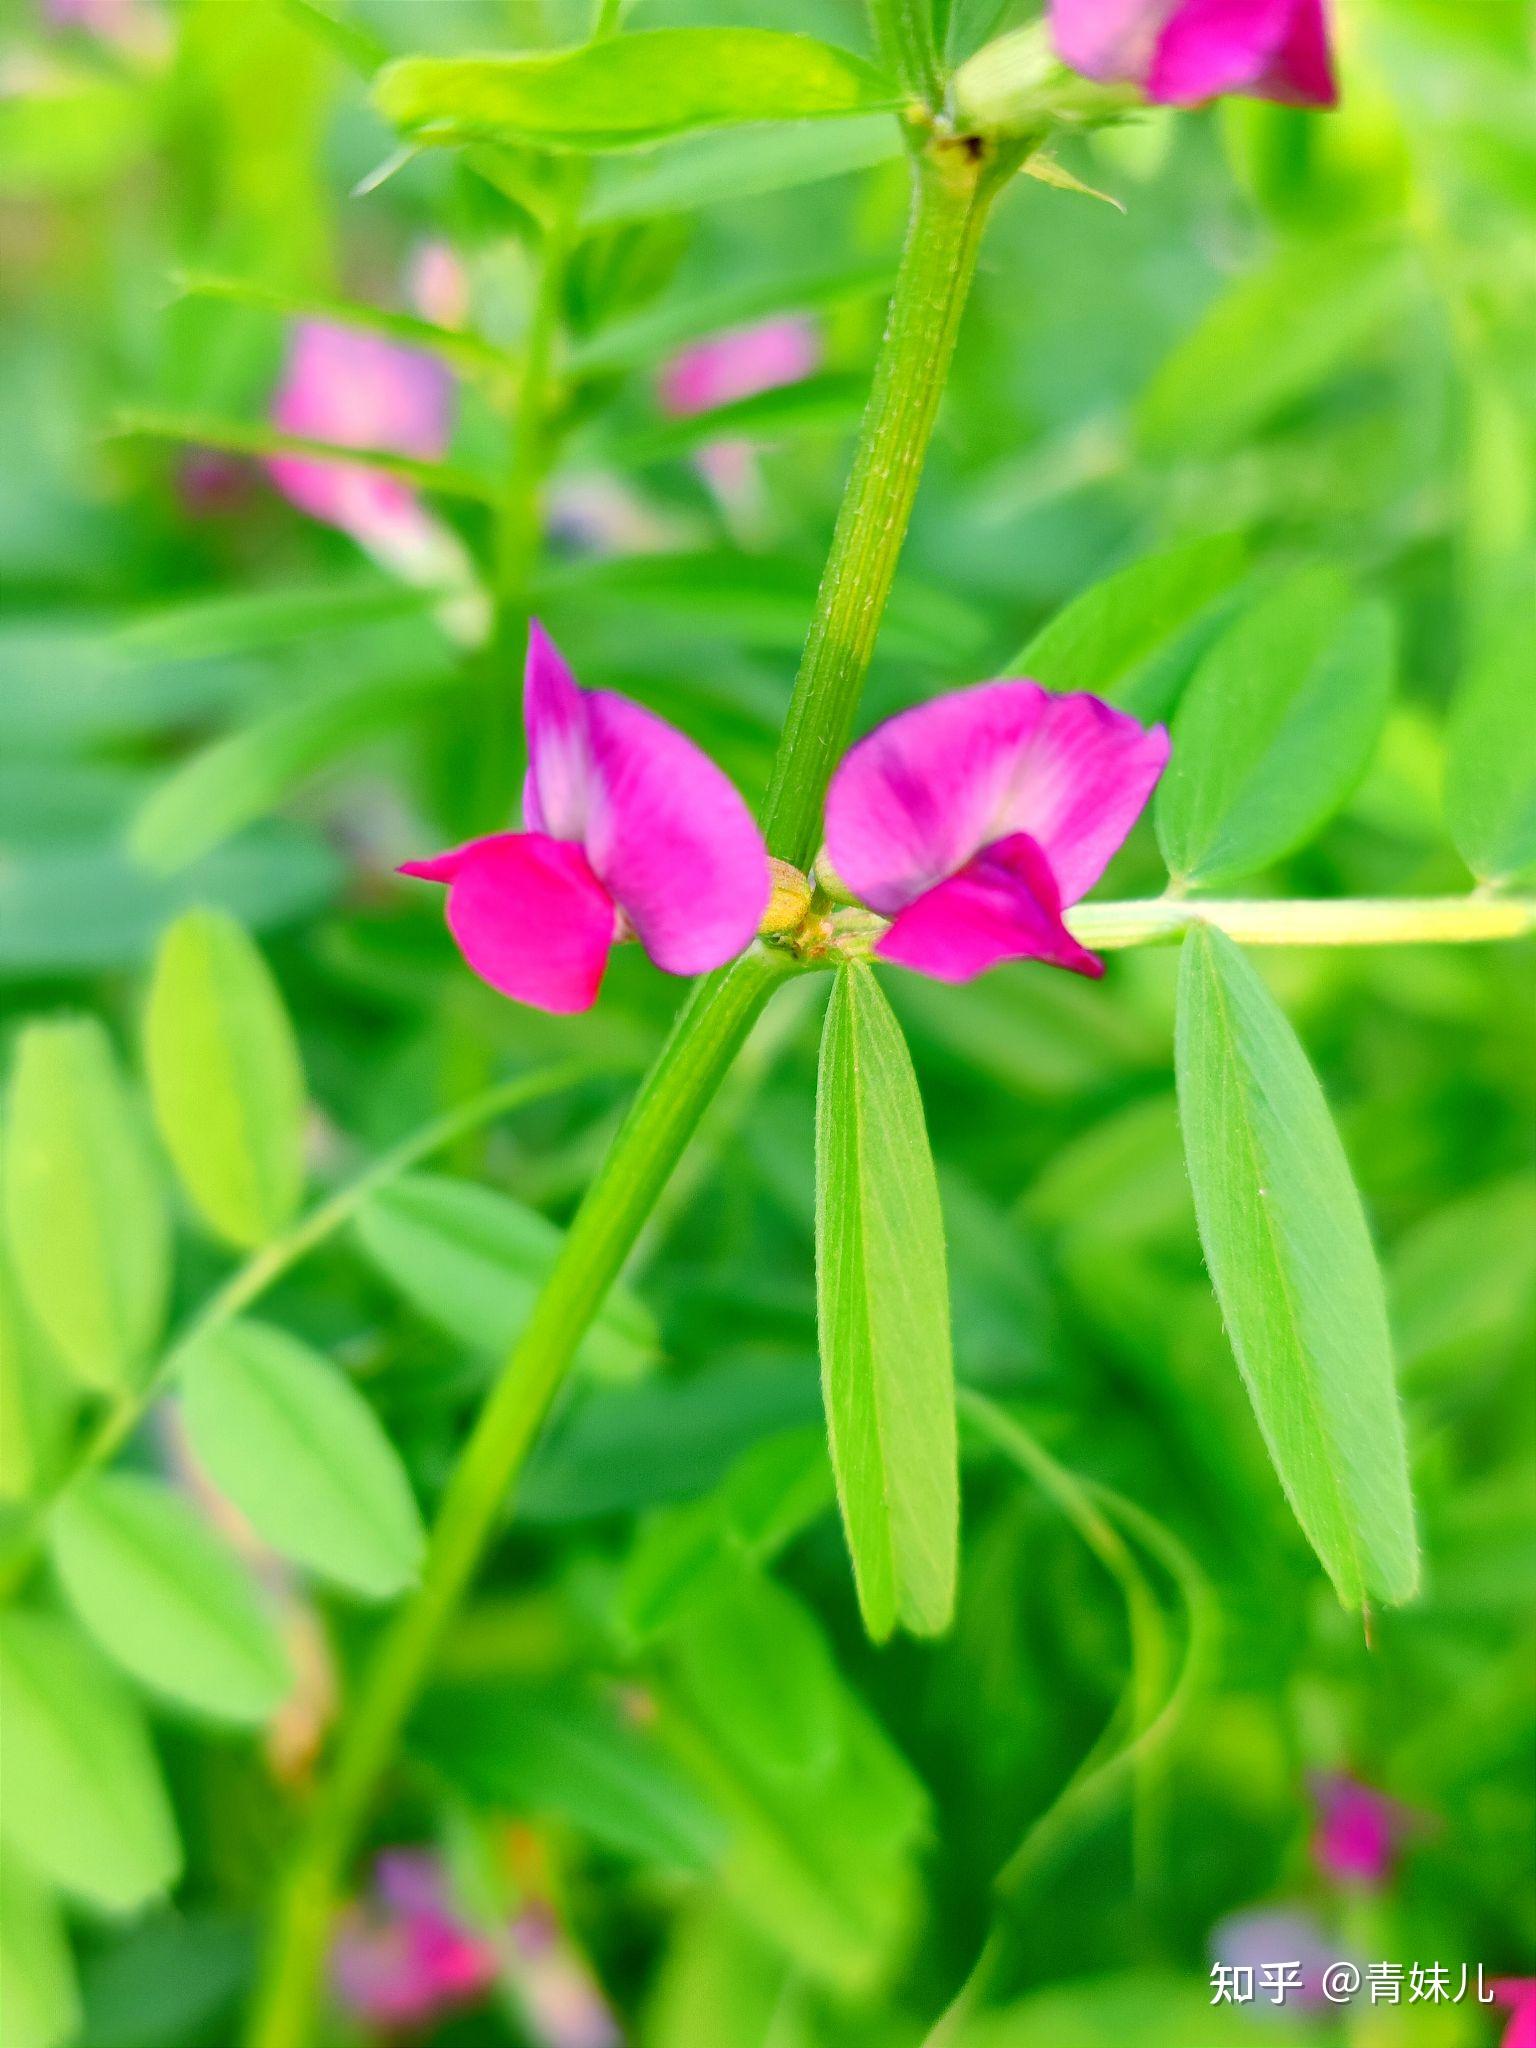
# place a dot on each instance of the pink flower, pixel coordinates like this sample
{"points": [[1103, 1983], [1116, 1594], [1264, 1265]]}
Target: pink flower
{"points": [[731, 366], [973, 821], [439, 284], [629, 828], [1357, 1831], [1519, 1994], [358, 389], [739, 365], [1185, 51], [403, 1959]]}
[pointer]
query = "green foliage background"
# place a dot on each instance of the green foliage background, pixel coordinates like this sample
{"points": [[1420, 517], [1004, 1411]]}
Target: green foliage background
{"points": [[1304, 349]]}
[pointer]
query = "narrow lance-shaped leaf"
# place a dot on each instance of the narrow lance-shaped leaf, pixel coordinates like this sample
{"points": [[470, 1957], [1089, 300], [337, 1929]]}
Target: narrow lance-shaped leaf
{"points": [[299, 1451], [84, 1802], [632, 91], [1490, 769], [37, 1396], [225, 1077], [1291, 1259], [163, 1596], [1275, 728], [883, 1317], [84, 1213], [42, 2005]]}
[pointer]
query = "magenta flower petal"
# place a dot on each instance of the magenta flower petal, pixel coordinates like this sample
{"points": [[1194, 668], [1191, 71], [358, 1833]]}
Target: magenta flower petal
{"points": [[557, 795], [929, 789], [529, 916], [1272, 49], [672, 840], [1518, 1994], [1002, 905], [739, 364], [342, 385], [1358, 1831], [1185, 51], [665, 831]]}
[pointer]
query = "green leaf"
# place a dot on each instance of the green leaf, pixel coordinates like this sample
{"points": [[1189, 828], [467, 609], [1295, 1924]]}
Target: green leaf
{"points": [[1275, 729], [1105, 639], [829, 403], [42, 2006], [632, 91], [85, 1214], [883, 1317], [37, 1396], [565, 1753], [83, 1798], [473, 1260], [81, 906], [245, 437], [225, 1077], [1290, 1256], [1490, 769], [657, 331], [454, 345], [302, 1455], [703, 170], [726, 1642], [235, 779], [236, 622], [1272, 338], [165, 1597], [167, 1982]]}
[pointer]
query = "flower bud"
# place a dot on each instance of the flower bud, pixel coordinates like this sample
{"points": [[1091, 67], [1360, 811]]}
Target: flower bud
{"points": [[1017, 87], [790, 900]]}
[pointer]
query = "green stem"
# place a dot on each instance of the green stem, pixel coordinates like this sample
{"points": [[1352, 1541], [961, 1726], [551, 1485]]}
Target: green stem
{"points": [[706, 1038], [954, 185], [1344, 921], [250, 1281], [904, 35]]}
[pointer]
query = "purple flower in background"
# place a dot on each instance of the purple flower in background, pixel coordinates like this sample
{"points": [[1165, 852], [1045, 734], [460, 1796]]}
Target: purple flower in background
{"points": [[1357, 1833], [1519, 1995], [628, 828], [1185, 51], [403, 1959], [731, 366], [973, 821], [1271, 1935], [358, 389]]}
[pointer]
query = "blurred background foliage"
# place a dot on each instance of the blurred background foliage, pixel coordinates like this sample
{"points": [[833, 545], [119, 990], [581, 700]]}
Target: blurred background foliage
{"points": [[659, 1724]]}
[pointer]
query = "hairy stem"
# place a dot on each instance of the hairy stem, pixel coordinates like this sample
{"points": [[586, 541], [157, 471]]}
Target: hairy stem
{"points": [[953, 188], [904, 33], [951, 191]]}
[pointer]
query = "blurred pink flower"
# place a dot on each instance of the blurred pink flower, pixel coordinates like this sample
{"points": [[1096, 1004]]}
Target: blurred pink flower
{"points": [[1185, 51], [1357, 1833], [563, 2005], [735, 365], [133, 25], [628, 828], [362, 391], [1519, 1994], [438, 284], [1271, 1935], [401, 1958], [739, 365], [974, 820]]}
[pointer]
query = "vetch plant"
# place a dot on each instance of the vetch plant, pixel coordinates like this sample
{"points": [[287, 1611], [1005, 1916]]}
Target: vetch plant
{"points": [[679, 1693]]}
